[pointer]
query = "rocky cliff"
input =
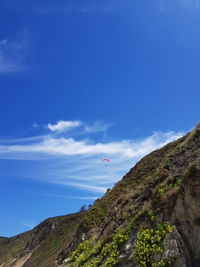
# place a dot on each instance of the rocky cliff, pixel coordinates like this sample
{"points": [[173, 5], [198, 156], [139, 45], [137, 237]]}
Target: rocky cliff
{"points": [[150, 218]]}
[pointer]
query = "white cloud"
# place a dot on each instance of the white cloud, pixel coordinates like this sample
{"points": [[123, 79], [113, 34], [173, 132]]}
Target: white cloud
{"points": [[87, 187], [71, 197], [70, 147], [98, 126], [78, 163], [62, 126]]}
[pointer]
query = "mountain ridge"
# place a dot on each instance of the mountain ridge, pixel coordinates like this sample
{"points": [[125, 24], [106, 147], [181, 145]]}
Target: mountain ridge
{"points": [[149, 218]]}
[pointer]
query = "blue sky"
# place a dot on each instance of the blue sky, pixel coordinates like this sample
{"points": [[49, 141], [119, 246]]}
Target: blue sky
{"points": [[85, 80]]}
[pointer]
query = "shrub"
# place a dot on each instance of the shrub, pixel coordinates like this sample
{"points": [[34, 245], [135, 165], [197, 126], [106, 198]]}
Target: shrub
{"points": [[150, 243], [152, 215], [91, 253]]}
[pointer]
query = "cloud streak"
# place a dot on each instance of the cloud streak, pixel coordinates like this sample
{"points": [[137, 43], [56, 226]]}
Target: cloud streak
{"points": [[71, 197], [12, 54], [189, 3], [62, 126], [70, 147], [77, 162], [79, 7]]}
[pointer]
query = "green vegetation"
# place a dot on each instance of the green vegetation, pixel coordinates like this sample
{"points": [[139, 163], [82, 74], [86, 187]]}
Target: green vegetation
{"points": [[166, 187], [157, 175], [197, 257], [45, 241], [13, 247], [49, 249], [135, 218], [149, 243], [162, 189], [152, 215], [168, 163], [94, 216], [197, 221], [91, 253]]}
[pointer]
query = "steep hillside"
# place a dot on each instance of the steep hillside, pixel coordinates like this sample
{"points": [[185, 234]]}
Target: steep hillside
{"points": [[42, 245], [150, 218]]}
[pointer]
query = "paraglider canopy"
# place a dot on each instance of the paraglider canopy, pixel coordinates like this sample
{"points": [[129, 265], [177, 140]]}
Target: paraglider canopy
{"points": [[107, 160]]}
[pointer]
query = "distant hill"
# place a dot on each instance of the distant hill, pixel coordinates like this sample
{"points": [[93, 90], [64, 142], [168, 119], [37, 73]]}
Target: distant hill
{"points": [[40, 246], [150, 218]]}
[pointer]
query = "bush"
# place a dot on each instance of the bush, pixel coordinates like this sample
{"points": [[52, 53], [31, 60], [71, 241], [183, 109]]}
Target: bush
{"points": [[91, 253], [150, 243]]}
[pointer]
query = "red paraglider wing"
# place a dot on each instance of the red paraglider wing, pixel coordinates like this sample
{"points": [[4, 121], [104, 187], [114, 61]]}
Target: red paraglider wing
{"points": [[106, 160]]}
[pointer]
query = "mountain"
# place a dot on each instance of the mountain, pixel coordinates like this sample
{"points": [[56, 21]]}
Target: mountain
{"points": [[40, 246], [149, 218]]}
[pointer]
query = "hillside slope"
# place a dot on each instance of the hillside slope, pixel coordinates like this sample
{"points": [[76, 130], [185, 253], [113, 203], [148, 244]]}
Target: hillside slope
{"points": [[150, 218], [40, 246], [3, 239]]}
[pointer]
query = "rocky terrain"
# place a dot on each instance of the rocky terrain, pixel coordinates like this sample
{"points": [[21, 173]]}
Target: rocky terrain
{"points": [[150, 218]]}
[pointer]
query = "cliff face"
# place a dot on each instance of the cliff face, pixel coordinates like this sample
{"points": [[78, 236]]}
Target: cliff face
{"points": [[150, 218]]}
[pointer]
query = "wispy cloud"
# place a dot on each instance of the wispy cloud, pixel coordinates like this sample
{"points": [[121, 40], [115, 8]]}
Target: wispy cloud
{"points": [[70, 147], [98, 126], [189, 3], [77, 162], [35, 125], [96, 8], [169, 5], [86, 7], [28, 224], [87, 187], [12, 53], [6, 64], [62, 126], [70, 197]]}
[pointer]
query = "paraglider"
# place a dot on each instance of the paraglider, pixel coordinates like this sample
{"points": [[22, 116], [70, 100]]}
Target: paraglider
{"points": [[106, 160]]}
